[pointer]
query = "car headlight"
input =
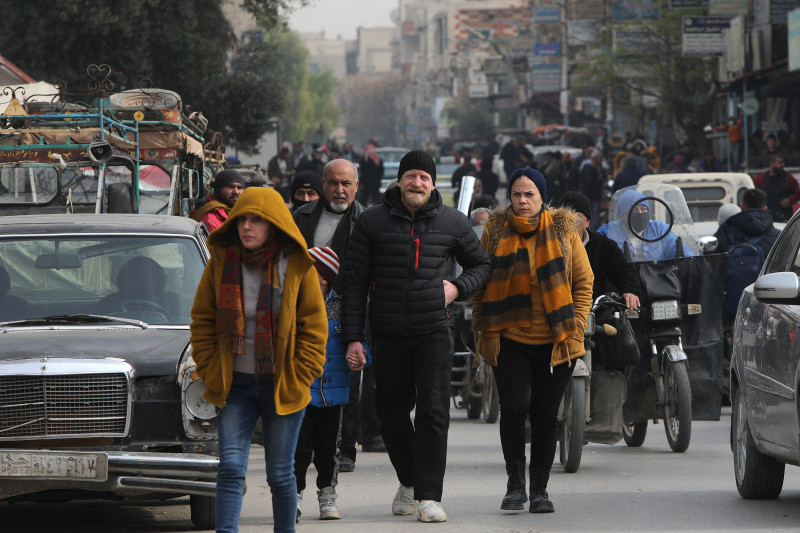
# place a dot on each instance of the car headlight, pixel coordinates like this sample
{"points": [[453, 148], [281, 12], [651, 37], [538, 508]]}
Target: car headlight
{"points": [[198, 415], [665, 310]]}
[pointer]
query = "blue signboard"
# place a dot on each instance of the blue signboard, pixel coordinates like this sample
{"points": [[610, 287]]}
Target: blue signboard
{"points": [[689, 4], [547, 15], [631, 10], [547, 78], [547, 49]]}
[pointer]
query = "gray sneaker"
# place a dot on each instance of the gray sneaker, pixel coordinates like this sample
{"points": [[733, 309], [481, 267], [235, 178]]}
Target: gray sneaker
{"points": [[299, 506], [327, 504], [404, 502], [431, 511]]}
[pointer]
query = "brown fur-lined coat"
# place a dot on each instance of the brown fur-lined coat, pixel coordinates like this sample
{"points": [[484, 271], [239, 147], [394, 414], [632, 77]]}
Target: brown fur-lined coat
{"points": [[579, 271]]}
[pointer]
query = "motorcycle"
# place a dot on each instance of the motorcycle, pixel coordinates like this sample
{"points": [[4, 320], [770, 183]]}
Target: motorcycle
{"points": [[591, 409], [472, 386], [652, 224]]}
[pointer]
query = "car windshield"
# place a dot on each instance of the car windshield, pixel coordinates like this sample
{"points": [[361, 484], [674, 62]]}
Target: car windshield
{"points": [[147, 278]]}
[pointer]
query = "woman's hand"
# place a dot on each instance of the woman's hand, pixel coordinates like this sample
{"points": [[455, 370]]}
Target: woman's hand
{"points": [[356, 357]]}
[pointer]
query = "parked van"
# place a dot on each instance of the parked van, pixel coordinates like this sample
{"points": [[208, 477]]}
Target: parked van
{"points": [[705, 193]]}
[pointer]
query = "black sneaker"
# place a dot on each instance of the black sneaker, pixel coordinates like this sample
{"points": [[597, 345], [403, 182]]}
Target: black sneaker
{"points": [[374, 444], [346, 464]]}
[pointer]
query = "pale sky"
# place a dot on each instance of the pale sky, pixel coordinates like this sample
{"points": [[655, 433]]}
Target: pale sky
{"points": [[341, 17]]}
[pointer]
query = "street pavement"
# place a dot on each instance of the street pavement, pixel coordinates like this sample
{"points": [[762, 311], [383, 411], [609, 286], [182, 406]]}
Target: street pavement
{"points": [[647, 489]]}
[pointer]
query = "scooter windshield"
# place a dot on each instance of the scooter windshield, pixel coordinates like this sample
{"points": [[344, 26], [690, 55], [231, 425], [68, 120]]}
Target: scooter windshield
{"points": [[651, 222]]}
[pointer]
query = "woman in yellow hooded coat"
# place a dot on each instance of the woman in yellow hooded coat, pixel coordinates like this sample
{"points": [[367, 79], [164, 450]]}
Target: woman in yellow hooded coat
{"points": [[258, 336]]}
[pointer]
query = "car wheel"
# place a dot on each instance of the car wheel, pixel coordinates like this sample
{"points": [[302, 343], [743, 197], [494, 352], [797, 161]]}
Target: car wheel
{"points": [[758, 476], [202, 511]]}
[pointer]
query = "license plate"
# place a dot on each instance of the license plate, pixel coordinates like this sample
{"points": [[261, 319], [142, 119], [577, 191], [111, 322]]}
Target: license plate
{"points": [[51, 465]]}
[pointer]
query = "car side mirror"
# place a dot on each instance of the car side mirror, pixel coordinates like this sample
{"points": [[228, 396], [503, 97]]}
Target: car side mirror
{"points": [[708, 244], [779, 287]]}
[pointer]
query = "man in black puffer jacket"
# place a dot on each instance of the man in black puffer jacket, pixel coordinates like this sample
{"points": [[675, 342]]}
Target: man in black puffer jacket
{"points": [[402, 255]]}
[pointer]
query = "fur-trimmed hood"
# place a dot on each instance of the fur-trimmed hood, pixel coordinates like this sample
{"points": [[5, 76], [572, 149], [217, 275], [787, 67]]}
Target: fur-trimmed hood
{"points": [[564, 221]]}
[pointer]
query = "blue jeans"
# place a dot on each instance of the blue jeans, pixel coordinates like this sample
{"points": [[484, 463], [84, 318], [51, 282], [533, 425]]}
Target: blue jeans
{"points": [[247, 400]]}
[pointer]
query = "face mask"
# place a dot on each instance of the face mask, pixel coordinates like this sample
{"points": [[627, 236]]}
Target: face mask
{"points": [[639, 221], [298, 203]]}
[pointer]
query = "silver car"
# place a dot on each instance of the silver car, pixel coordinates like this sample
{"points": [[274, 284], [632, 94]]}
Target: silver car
{"points": [[765, 372]]}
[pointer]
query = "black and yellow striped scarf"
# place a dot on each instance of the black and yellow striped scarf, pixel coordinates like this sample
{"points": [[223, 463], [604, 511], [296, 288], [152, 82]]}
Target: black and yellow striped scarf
{"points": [[507, 300]]}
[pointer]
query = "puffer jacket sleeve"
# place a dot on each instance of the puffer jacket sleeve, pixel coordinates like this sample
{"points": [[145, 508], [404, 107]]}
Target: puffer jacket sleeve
{"points": [[472, 257], [620, 272], [477, 298], [356, 272]]}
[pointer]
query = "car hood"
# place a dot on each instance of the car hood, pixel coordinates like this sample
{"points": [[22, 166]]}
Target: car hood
{"points": [[151, 352]]}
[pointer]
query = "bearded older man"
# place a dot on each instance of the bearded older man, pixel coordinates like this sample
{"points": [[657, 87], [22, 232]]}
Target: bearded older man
{"points": [[402, 256], [328, 222]]}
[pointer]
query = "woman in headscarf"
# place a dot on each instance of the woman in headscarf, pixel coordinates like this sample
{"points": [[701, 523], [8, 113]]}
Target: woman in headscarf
{"points": [[258, 334], [529, 322]]}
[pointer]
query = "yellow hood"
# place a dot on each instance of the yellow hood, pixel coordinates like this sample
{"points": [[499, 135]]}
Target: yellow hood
{"points": [[264, 202]]}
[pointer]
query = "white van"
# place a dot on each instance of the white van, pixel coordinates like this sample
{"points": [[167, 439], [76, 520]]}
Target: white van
{"points": [[705, 193]]}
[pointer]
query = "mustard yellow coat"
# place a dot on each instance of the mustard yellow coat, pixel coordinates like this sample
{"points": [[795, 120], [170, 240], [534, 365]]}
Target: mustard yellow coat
{"points": [[580, 276], [302, 322]]}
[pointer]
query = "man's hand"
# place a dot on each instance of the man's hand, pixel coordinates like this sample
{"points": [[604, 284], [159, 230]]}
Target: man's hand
{"points": [[450, 292], [356, 358], [785, 203], [631, 300]]}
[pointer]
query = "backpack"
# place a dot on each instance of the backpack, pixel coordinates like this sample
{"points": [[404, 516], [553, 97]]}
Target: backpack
{"points": [[745, 258]]}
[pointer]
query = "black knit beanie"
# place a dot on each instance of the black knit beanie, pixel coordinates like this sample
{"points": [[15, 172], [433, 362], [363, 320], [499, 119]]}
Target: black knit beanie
{"points": [[307, 179], [226, 177], [417, 160], [577, 202]]}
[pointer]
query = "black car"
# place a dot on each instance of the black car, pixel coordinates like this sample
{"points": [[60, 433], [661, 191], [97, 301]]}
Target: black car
{"points": [[97, 393]]}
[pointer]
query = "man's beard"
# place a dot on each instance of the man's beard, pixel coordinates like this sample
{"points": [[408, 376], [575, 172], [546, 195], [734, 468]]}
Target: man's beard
{"points": [[338, 204], [415, 200]]}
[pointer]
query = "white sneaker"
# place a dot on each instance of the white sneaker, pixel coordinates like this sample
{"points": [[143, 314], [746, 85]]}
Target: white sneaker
{"points": [[430, 511], [299, 506], [327, 504], [404, 502]]}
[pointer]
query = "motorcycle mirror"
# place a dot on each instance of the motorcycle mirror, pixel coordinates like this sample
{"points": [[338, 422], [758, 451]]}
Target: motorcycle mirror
{"points": [[708, 243]]}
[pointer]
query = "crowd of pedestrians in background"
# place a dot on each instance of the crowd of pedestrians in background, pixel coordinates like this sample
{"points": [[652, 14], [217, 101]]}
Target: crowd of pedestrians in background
{"points": [[330, 355]]}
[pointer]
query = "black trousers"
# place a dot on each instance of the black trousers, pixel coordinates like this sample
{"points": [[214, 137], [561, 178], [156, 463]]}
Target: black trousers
{"points": [[350, 418], [528, 387], [415, 371], [370, 425], [319, 438]]}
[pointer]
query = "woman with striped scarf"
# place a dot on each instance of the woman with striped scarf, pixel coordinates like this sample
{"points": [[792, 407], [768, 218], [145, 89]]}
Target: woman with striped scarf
{"points": [[529, 322]]}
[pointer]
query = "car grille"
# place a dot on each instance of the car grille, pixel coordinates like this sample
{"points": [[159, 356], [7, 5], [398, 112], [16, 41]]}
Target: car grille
{"points": [[63, 405]]}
